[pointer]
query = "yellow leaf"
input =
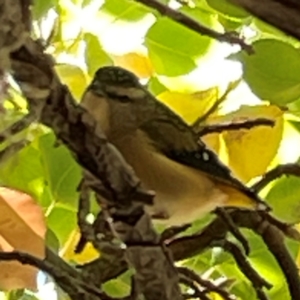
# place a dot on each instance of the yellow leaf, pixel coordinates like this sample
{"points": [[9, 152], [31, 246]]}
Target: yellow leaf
{"points": [[88, 254], [212, 141], [189, 106], [251, 151], [216, 296], [73, 77], [137, 63]]}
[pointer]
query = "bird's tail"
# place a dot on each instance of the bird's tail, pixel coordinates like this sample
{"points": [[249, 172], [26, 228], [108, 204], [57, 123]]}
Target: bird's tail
{"points": [[243, 197]]}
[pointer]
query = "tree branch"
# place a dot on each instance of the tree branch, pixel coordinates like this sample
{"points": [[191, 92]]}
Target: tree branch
{"points": [[190, 23], [272, 235], [282, 14], [33, 70], [215, 234], [256, 280], [237, 125], [72, 283], [231, 86], [277, 172], [209, 287]]}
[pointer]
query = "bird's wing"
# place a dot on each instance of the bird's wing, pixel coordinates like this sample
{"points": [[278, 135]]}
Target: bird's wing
{"points": [[208, 162]]}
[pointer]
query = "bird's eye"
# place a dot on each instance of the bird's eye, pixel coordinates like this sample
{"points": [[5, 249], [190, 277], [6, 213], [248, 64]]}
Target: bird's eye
{"points": [[120, 98], [124, 99]]}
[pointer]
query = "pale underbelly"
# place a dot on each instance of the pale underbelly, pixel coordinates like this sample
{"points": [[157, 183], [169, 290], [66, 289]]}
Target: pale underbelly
{"points": [[178, 211], [183, 194]]}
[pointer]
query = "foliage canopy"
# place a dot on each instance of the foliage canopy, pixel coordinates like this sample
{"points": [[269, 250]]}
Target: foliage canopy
{"points": [[188, 72]]}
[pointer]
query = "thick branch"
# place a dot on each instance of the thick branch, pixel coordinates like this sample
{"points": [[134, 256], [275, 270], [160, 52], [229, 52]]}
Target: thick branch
{"points": [[33, 71]]}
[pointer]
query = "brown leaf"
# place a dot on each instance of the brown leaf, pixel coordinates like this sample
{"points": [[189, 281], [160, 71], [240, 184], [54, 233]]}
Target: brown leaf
{"points": [[22, 228]]}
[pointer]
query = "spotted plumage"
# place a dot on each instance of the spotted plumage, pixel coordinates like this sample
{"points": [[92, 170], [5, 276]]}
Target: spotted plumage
{"points": [[165, 152]]}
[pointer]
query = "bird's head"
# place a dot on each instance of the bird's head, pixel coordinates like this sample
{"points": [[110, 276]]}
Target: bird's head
{"points": [[118, 101]]}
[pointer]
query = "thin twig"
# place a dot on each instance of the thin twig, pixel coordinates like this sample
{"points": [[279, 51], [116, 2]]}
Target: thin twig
{"points": [[17, 126], [12, 149], [236, 125], [277, 172], [173, 231], [185, 247], [209, 286], [72, 284], [177, 16], [257, 281], [225, 216], [86, 229], [287, 229], [197, 124], [197, 293], [274, 239]]}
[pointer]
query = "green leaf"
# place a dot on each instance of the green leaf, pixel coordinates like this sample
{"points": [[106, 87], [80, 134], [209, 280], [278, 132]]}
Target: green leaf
{"points": [[120, 286], [227, 8], [51, 240], [170, 56], [155, 86], [273, 72], [266, 30], [280, 293], [124, 10], [284, 199], [234, 24], [41, 7], [86, 2], [15, 295], [24, 172], [176, 56], [62, 173], [73, 77], [266, 265], [62, 221], [263, 262], [46, 198], [294, 108], [122, 25], [95, 56]]}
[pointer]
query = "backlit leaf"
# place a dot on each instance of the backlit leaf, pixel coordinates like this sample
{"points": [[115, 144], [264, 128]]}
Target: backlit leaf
{"points": [[189, 106], [74, 77], [251, 151], [176, 56], [227, 8], [284, 199], [95, 56], [62, 173], [273, 71], [137, 63]]}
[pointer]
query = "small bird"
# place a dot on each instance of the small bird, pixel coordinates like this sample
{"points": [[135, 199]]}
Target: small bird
{"points": [[166, 154]]}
